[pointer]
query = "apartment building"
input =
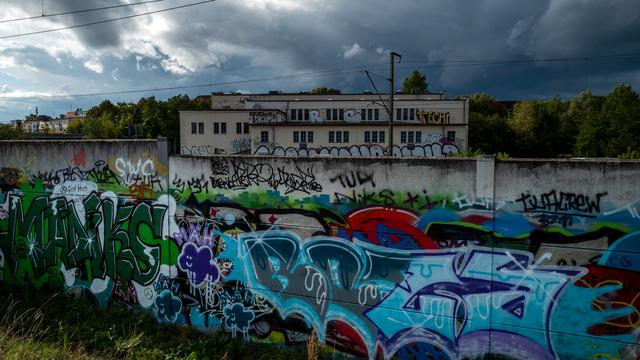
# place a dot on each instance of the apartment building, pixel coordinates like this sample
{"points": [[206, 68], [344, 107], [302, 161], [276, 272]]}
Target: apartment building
{"points": [[426, 125]]}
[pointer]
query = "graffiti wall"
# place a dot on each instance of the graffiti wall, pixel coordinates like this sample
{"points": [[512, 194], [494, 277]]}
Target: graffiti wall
{"points": [[403, 259]]}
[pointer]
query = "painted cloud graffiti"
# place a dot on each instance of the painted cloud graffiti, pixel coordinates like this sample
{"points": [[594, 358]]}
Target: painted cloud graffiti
{"points": [[198, 263]]}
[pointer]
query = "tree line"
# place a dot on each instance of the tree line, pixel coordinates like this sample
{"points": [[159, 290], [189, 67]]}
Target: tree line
{"points": [[586, 126]]}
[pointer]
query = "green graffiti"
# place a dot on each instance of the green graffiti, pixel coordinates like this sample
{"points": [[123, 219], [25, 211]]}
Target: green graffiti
{"points": [[100, 238]]}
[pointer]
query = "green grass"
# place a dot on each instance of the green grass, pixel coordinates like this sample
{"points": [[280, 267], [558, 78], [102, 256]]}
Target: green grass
{"points": [[43, 324]]}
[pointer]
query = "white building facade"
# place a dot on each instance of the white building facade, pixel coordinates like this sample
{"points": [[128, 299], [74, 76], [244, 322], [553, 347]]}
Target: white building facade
{"points": [[426, 125]]}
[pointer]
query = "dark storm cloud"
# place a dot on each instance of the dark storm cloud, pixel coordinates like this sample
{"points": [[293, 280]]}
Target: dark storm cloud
{"points": [[235, 40]]}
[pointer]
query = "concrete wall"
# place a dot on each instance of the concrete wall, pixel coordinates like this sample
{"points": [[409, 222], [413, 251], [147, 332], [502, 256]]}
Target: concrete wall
{"points": [[452, 258]]}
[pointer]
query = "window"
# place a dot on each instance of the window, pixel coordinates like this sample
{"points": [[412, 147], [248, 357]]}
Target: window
{"points": [[335, 136], [216, 128], [306, 114], [303, 137], [341, 114], [310, 136], [410, 136], [264, 137], [238, 128], [246, 128], [335, 114], [223, 128], [376, 114], [327, 114], [451, 136], [403, 136], [201, 127], [398, 114], [194, 128], [418, 137], [294, 112], [412, 114], [381, 136], [367, 137], [374, 136], [300, 114], [370, 114], [296, 137], [405, 114]]}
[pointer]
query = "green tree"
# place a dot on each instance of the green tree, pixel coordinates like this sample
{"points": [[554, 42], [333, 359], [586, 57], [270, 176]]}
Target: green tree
{"points": [[489, 132], [621, 110], [8, 132], [416, 83], [323, 90]]}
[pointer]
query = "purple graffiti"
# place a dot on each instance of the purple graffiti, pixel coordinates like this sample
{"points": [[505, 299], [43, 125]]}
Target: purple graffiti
{"points": [[198, 263]]}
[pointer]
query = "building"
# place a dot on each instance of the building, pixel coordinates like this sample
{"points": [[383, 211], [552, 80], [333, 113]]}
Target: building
{"points": [[45, 124], [340, 125], [59, 125]]}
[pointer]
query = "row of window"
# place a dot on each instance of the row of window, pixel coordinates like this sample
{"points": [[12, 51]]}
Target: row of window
{"points": [[302, 137], [219, 128], [335, 114], [373, 137], [415, 137], [242, 128], [370, 137]]}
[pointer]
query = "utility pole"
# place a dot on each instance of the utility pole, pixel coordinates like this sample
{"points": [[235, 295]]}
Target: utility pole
{"points": [[392, 76]]}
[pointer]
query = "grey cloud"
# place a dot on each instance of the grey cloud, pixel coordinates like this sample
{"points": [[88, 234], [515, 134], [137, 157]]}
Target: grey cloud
{"points": [[229, 40]]}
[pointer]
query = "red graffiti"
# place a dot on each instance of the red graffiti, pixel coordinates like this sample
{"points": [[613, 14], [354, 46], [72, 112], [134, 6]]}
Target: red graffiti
{"points": [[80, 158], [387, 226], [628, 295]]}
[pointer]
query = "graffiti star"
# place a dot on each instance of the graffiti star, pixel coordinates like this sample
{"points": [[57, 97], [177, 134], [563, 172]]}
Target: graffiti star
{"points": [[34, 250]]}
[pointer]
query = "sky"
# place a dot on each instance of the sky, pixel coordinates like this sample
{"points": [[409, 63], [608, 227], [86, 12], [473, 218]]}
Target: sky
{"points": [[462, 46]]}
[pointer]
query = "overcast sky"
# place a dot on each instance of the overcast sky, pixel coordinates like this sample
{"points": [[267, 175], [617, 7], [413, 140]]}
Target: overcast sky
{"points": [[234, 40]]}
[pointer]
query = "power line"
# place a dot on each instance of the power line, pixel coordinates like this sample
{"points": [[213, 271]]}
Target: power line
{"points": [[457, 63], [78, 11], [105, 21], [462, 63], [280, 77]]}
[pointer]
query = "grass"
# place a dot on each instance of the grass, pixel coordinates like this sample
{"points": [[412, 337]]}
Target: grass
{"points": [[44, 324]]}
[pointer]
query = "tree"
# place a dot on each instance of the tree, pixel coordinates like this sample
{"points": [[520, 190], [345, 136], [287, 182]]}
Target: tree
{"points": [[489, 132], [8, 132], [416, 83], [325, 91]]}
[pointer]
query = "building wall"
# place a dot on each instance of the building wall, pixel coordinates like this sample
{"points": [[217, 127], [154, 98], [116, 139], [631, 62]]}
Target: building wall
{"points": [[440, 258], [429, 114], [433, 140], [205, 140]]}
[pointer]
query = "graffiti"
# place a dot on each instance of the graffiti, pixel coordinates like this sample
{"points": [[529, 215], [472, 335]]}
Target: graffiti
{"points": [[198, 263], [138, 173], [96, 243], [562, 203], [378, 259], [240, 145], [427, 150], [100, 173], [195, 150], [353, 179], [239, 174], [167, 307], [9, 178], [433, 117]]}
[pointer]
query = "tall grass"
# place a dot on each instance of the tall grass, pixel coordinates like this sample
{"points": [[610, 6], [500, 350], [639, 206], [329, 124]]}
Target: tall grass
{"points": [[49, 325]]}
